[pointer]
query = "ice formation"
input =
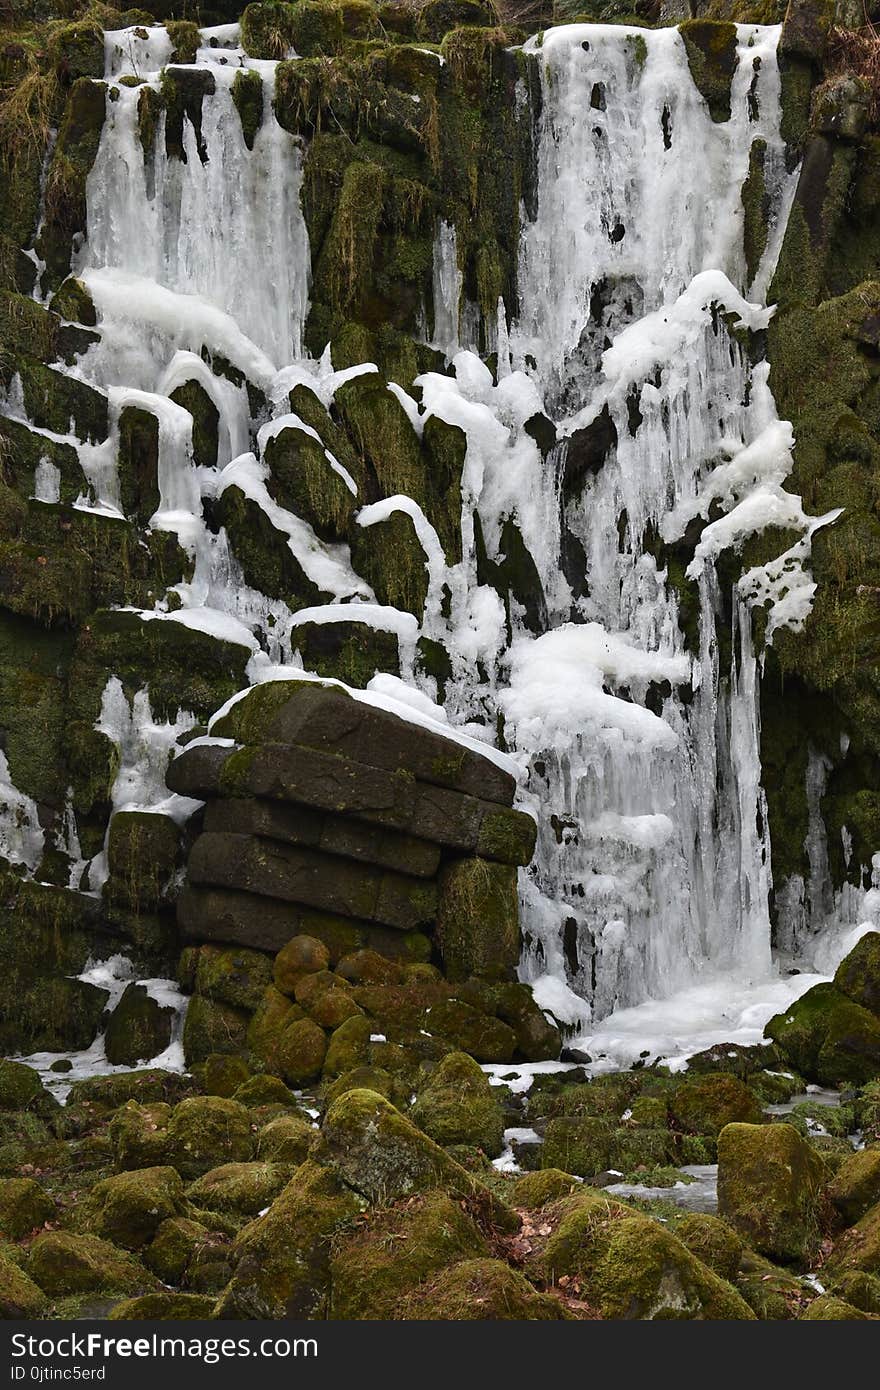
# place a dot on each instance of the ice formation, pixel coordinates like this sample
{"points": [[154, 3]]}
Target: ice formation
{"points": [[639, 758]]}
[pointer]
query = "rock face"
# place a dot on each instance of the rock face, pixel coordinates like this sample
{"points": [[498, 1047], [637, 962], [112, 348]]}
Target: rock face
{"points": [[330, 814]]}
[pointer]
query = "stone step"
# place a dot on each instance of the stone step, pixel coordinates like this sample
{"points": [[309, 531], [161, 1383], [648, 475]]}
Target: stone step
{"points": [[302, 825], [266, 924], [327, 718], [330, 783], [312, 878]]}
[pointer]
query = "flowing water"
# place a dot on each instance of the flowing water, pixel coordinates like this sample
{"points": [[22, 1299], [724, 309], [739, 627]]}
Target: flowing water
{"points": [[640, 754]]}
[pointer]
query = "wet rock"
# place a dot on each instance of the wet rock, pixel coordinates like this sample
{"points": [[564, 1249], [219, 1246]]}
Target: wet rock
{"points": [[139, 1028]]}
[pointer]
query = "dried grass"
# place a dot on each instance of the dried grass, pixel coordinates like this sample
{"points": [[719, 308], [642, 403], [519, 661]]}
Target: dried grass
{"points": [[857, 51]]}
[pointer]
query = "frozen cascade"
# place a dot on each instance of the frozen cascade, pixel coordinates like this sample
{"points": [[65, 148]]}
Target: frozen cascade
{"points": [[639, 752]]}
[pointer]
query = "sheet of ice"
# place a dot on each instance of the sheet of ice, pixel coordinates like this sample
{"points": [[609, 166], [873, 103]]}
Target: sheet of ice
{"points": [[698, 1193], [21, 835]]}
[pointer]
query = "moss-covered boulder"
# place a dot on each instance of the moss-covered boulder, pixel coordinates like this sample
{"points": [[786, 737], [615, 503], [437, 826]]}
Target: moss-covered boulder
{"points": [[478, 919], [163, 1307], [855, 1187], [391, 1252], [264, 1090], [857, 1287], [535, 1190], [859, 1247], [349, 1046], [128, 1208], [63, 1262], [458, 1106], [379, 1153], [481, 1290], [301, 1052], [21, 1087], [204, 1129], [705, 1104], [233, 975], [23, 1207], [629, 1265], [858, 975], [20, 1297], [285, 1140], [173, 1247], [282, 1260], [828, 1308], [828, 1038], [221, 1074], [241, 1188], [213, 1027], [139, 1028], [139, 1135], [713, 1241], [771, 1188]]}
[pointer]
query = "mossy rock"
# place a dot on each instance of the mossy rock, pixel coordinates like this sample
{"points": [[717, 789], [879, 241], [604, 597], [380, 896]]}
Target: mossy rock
{"points": [[282, 1260], [173, 1247], [629, 1266], [827, 1308], [139, 1135], [77, 50], [481, 1290], [711, 53], [393, 1251], [857, 1287], [65, 188], [221, 1074], [478, 920], [859, 1247], [163, 1307], [713, 1241], [139, 1028], [23, 1207], [380, 1154], [771, 1188], [205, 1129], [63, 1262], [20, 1297], [185, 36], [143, 852], [470, 1030], [856, 1185], [370, 1078], [858, 975], [21, 1087], [348, 1047], [285, 1140], [828, 1038], [233, 975], [705, 1104], [303, 481], [211, 1027], [535, 1190], [537, 1039], [243, 1189], [129, 1208], [438, 17], [775, 1295], [458, 1106], [302, 1048], [303, 955]]}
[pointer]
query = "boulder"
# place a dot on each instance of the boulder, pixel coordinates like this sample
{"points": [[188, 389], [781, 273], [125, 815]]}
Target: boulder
{"points": [[205, 1129], [63, 1262], [302, 1048], [481, 1290], [241, 1188], [129, 1208], [139, 1028], [827, 1308], [286, 1139], [478, 920], [282, 1260], [139, 1135], [858, 1287], [858, 975], [705, 1104], [855, 1187], [23, 1207], [458, 1106], [394, 1251], [828, 1038], [629, 1265], [221, 1074], [859, 1247], [233, 975], [20, 1297], [213, 1028], [380, 1154], [534, 1190], [327, 718], [303, 955], [21, 1088], [771, 1187], [173, 1247], [713, 1241], [264, 1090]]}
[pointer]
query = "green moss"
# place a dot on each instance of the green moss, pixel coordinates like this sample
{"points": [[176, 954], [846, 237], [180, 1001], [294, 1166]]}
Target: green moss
{"points": [[264, 552], [139, 1028], [478, 919], [192, 396], [282, 1259], [828, 1038], [458, 1106], [713, 1242], [65, 193], [62, 1262], [859, 1247], [247, 94], [77, 50], [73, 301], [303, 480], [163, 1307], [770, 1189], [711, 53], [129, 1208], [184, 35], [213, 1027], [390, 557], [856, 1185], [705, 1104], [233, 975], [858, 1288], [286, 1140], [392, 1252], [205, 1129], [629, 1266], [20, 1297]]}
